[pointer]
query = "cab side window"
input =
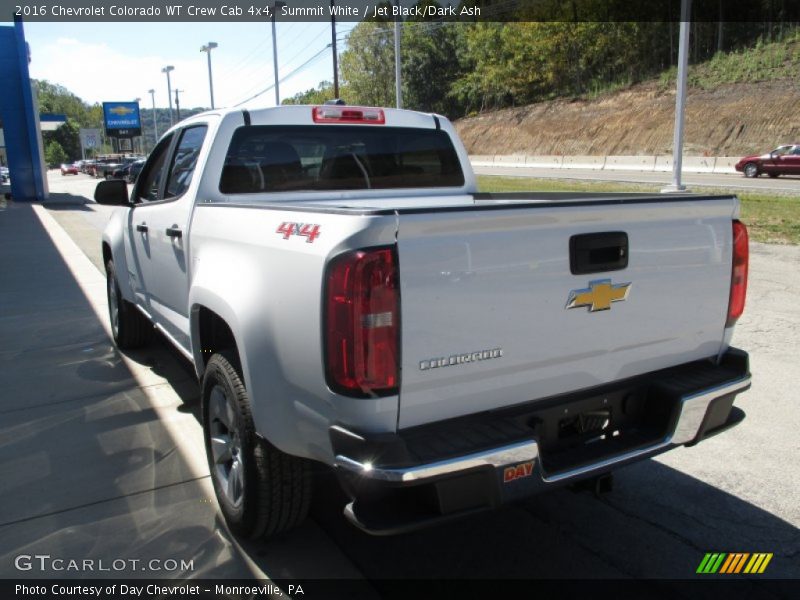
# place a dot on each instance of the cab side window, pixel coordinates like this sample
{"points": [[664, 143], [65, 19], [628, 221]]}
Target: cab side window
{"points": [[185, 160], [149, 182]]}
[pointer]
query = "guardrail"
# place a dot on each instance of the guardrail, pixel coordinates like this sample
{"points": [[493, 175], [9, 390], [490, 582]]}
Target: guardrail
{"points": [[691, 164]]}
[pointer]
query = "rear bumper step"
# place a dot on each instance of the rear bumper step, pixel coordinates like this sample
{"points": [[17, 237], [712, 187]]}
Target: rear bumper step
{"points": [[437, 472]]}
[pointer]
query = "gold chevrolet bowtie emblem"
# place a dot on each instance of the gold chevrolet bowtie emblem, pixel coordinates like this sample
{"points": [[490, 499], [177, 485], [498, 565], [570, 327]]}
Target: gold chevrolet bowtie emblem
{"points": [[599, 295]]}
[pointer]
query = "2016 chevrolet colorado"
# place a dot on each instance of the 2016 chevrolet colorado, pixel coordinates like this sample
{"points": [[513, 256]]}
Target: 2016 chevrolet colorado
{"points": [[348, 298]]}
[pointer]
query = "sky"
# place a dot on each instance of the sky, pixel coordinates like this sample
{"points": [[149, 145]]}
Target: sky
{"points": [[121, 61]]}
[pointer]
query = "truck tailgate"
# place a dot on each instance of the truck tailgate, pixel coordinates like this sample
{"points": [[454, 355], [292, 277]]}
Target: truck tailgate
{"points": [[485, 289]]}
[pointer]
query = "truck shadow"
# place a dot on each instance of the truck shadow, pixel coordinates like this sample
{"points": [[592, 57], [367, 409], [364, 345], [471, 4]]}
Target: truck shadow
{"points": [[657, 523]]}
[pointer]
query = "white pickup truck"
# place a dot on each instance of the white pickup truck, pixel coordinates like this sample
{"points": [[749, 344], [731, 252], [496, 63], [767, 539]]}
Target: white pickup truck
{"points": [[347, 298]]}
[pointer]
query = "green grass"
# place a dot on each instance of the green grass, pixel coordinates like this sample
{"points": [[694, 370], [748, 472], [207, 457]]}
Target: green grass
{"points": [[762, 62], [772, 219]]}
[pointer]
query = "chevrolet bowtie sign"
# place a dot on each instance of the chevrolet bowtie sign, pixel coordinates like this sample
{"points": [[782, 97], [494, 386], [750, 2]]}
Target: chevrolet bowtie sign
{"points": [[121, 119], [599, 295]]}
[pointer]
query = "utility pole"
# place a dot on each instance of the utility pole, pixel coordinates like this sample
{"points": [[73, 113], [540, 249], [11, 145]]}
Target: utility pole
{"points": [[178, 103], [335, 58], [680, 101], [398, 91], [278, 5], [155, 124], [207, 49], [167, 70]]}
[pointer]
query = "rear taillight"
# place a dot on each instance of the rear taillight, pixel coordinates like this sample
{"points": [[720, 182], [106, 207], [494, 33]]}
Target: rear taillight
{"points": [[348, 114], [362, 312], [741, 256]]}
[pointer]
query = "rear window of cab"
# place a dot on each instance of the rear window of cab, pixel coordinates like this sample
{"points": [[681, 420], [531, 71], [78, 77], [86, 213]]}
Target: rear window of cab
{"points": [[339, 157]]}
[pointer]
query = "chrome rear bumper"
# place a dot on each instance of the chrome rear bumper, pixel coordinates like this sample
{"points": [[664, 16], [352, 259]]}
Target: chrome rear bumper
{"points": [[440, 471], [693, 410]]}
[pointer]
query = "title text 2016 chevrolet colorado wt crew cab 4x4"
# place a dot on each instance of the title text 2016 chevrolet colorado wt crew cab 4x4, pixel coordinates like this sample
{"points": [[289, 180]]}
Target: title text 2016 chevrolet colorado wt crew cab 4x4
{"points": [[348, 298]]}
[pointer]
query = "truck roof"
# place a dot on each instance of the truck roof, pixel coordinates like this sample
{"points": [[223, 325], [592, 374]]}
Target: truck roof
{"points": [[311, 114]]}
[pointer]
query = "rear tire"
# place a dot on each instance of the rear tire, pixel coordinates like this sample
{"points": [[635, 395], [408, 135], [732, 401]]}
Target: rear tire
{"points": [[751, 170], [260, 490], [129, 327]]}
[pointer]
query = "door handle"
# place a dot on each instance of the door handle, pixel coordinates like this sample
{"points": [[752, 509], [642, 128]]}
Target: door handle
{"points": [[174, 232], [141, 227]]}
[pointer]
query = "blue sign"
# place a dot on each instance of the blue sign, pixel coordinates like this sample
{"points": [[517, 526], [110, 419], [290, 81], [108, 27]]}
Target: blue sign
{"points": [[121, 119]]}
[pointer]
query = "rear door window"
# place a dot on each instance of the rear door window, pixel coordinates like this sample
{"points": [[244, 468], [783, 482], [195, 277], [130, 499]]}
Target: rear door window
{"points": [[338, 157]]}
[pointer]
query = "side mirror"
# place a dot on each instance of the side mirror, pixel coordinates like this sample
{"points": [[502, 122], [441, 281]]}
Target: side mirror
{"points": [[113, 192]]}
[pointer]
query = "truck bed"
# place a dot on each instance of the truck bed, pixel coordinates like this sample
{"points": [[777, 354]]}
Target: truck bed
{"points": [[357, 204]]}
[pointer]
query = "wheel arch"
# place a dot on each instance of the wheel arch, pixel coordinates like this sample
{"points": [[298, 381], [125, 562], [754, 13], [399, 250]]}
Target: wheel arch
{"points": [[113, 248], [215, 324], [211, 333]]}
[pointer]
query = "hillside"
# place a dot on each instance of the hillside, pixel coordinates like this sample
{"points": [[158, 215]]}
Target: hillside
{"points": [[737, 104]]}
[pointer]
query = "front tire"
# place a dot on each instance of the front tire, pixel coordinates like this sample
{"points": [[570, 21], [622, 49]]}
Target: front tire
{"points": [[260, 490], [751, 170], [129, 327]]}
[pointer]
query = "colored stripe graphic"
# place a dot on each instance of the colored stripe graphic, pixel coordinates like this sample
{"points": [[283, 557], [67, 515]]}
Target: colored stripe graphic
{"points": [[727, 564], [758, 563], [711, 562], [734, 563], [737, 561]]}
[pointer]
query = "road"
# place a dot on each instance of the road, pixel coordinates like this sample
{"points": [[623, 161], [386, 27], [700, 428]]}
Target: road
{"points": [[783, 185], [735, 493]]}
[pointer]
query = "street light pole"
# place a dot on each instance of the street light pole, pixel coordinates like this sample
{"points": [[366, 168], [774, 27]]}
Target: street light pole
{"points": [[680, 100], [178, 103], [155, 125], [167, 70], [207, 49], [275, 53]]}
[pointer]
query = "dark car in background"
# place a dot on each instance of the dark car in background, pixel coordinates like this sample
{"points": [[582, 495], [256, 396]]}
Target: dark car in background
{"points": [[784, 160], [129, 172], [133, 171]]}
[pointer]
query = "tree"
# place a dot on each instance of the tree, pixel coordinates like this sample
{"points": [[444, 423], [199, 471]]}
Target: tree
{"points": [[317, 95], [367, 65], [68, 138], [430, 66], [54, 154]]}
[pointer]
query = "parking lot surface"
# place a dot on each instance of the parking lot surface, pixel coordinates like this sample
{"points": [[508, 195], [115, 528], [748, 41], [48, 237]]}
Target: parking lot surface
{"points": [[101, 453]]}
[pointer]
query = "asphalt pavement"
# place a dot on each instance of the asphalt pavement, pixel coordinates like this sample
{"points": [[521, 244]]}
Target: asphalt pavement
{"points": [[784, 185], [101, 452]]}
